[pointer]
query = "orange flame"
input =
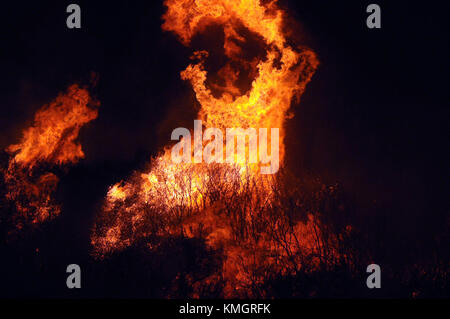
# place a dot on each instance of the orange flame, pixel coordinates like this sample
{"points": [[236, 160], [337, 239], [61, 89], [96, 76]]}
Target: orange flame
{"points": [[49, 142], [190, 193]]}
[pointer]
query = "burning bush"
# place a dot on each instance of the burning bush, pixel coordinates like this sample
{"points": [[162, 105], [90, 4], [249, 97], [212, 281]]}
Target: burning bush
{"points": [[49, 144], [259, 226]]}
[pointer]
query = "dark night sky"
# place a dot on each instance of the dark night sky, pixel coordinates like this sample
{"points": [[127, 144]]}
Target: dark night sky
{"points": [[374, 117]]}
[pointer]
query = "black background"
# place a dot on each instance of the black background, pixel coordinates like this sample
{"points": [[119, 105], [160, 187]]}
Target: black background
{"points": [[374, 117]]}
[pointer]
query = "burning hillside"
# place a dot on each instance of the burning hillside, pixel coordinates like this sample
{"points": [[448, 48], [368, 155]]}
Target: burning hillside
{"points": [[195, 180]]}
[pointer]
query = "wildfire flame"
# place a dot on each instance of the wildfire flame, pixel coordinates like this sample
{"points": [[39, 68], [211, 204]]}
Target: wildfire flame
{"points": [[195, 196], [48, 143]]}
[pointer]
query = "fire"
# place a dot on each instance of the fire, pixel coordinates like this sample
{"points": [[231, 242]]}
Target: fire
{"points": [[48, 143], [228, 202]]}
